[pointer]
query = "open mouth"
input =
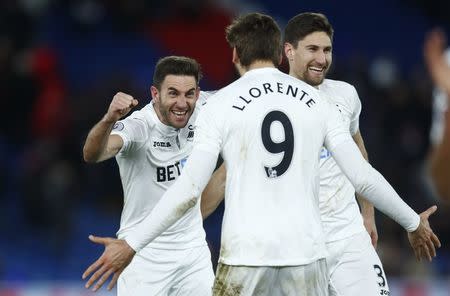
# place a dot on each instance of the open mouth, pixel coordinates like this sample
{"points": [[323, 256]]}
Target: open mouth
{"points": [[317, 70], [179, 114]]}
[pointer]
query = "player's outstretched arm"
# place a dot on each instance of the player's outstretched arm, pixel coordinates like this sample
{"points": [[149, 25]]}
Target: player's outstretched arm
{"points": [[100, 145], [214, 192], [117, 255], [423, 240], [377, 190]]}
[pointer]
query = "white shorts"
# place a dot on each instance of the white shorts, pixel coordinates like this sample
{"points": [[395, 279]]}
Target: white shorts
{"points": [[355, 268], [302, 280], [168, 272]]}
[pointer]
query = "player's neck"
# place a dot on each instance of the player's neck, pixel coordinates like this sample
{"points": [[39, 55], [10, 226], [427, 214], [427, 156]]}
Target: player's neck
{"points": [[258, 65]]}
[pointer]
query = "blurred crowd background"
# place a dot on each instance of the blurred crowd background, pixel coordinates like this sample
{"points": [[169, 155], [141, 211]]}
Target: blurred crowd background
{"points": [[61, 62]]}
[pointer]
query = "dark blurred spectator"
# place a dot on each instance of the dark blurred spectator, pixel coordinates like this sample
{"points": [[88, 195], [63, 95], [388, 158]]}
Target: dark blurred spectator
{"points": [[196, 29], [51, 113], [49, 191], [16, 84]]}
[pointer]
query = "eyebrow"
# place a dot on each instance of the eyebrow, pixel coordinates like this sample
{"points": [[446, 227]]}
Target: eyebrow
{"points": [[318, 46], [189, 90]]}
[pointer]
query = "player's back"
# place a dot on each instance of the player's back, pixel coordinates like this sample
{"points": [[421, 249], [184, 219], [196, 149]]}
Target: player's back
{"points": [[272, 129]]}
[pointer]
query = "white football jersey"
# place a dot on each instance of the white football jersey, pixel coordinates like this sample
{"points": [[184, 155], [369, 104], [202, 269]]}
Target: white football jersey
{"points": [[150, 161], [339, 209], [440, 106], [270, 128]]}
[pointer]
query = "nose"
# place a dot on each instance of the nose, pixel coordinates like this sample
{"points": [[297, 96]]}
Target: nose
{"points": [[182, 102], [321, 57]]}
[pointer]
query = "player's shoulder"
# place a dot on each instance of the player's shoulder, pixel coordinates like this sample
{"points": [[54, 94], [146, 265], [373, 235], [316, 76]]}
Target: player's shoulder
{"points": [[146, 115], [338, 86], [204, 96], [208, 103], [341, 92], [214, 97]]}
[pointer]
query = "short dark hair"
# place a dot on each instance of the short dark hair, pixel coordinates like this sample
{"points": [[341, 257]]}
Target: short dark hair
{"points": [[304, 24], [256, 37], [176, 65]]}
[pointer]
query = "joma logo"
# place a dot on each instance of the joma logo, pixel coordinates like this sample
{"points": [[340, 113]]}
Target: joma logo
{"points": [[161, 144]]}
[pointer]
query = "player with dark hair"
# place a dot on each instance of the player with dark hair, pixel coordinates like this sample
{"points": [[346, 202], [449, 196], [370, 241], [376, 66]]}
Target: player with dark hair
{"points": [[353, 263], [270, 128], [151, 146]]}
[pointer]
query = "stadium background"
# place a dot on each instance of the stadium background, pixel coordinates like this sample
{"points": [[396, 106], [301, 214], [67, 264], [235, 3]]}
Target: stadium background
{"points": [[62, 62]]}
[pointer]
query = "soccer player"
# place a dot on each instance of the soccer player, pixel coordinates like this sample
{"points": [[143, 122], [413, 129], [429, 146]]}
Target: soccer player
{"points": [[269, 128], [353, 263], [151, 146], [438, 63]]}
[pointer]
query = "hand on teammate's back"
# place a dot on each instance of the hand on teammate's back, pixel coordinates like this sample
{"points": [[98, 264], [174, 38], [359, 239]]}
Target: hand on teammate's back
{"points": [[423, 240], [117, 255]]}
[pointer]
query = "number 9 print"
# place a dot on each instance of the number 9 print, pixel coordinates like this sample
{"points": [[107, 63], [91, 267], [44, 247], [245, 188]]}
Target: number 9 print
{"points": [[286, 146]]}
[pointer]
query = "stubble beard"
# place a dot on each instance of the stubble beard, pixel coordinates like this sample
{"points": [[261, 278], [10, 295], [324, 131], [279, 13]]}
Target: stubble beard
{"points": [[312, 80]]}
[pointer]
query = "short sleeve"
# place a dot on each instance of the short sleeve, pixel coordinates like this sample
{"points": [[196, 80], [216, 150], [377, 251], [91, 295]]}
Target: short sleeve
{"points": [[337, 130], [208, 131], [204, 96], [133, 130], [356, 111]]}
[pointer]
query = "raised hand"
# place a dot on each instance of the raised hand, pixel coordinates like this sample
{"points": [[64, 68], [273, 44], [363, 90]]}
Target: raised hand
{"points": [[120, 106], [423, 240], [117, 255]]}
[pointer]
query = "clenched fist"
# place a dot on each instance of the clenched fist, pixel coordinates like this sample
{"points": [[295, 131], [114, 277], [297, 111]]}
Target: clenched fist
{"points": [[120, 106]]}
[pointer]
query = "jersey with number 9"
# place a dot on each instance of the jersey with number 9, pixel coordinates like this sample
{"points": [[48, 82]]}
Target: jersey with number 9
{"points": [[269, 128]]}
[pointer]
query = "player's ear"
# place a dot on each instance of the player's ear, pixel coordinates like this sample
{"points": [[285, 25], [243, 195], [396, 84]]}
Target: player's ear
{"points": [[288, 50], [155, 93], [235, 58]]}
